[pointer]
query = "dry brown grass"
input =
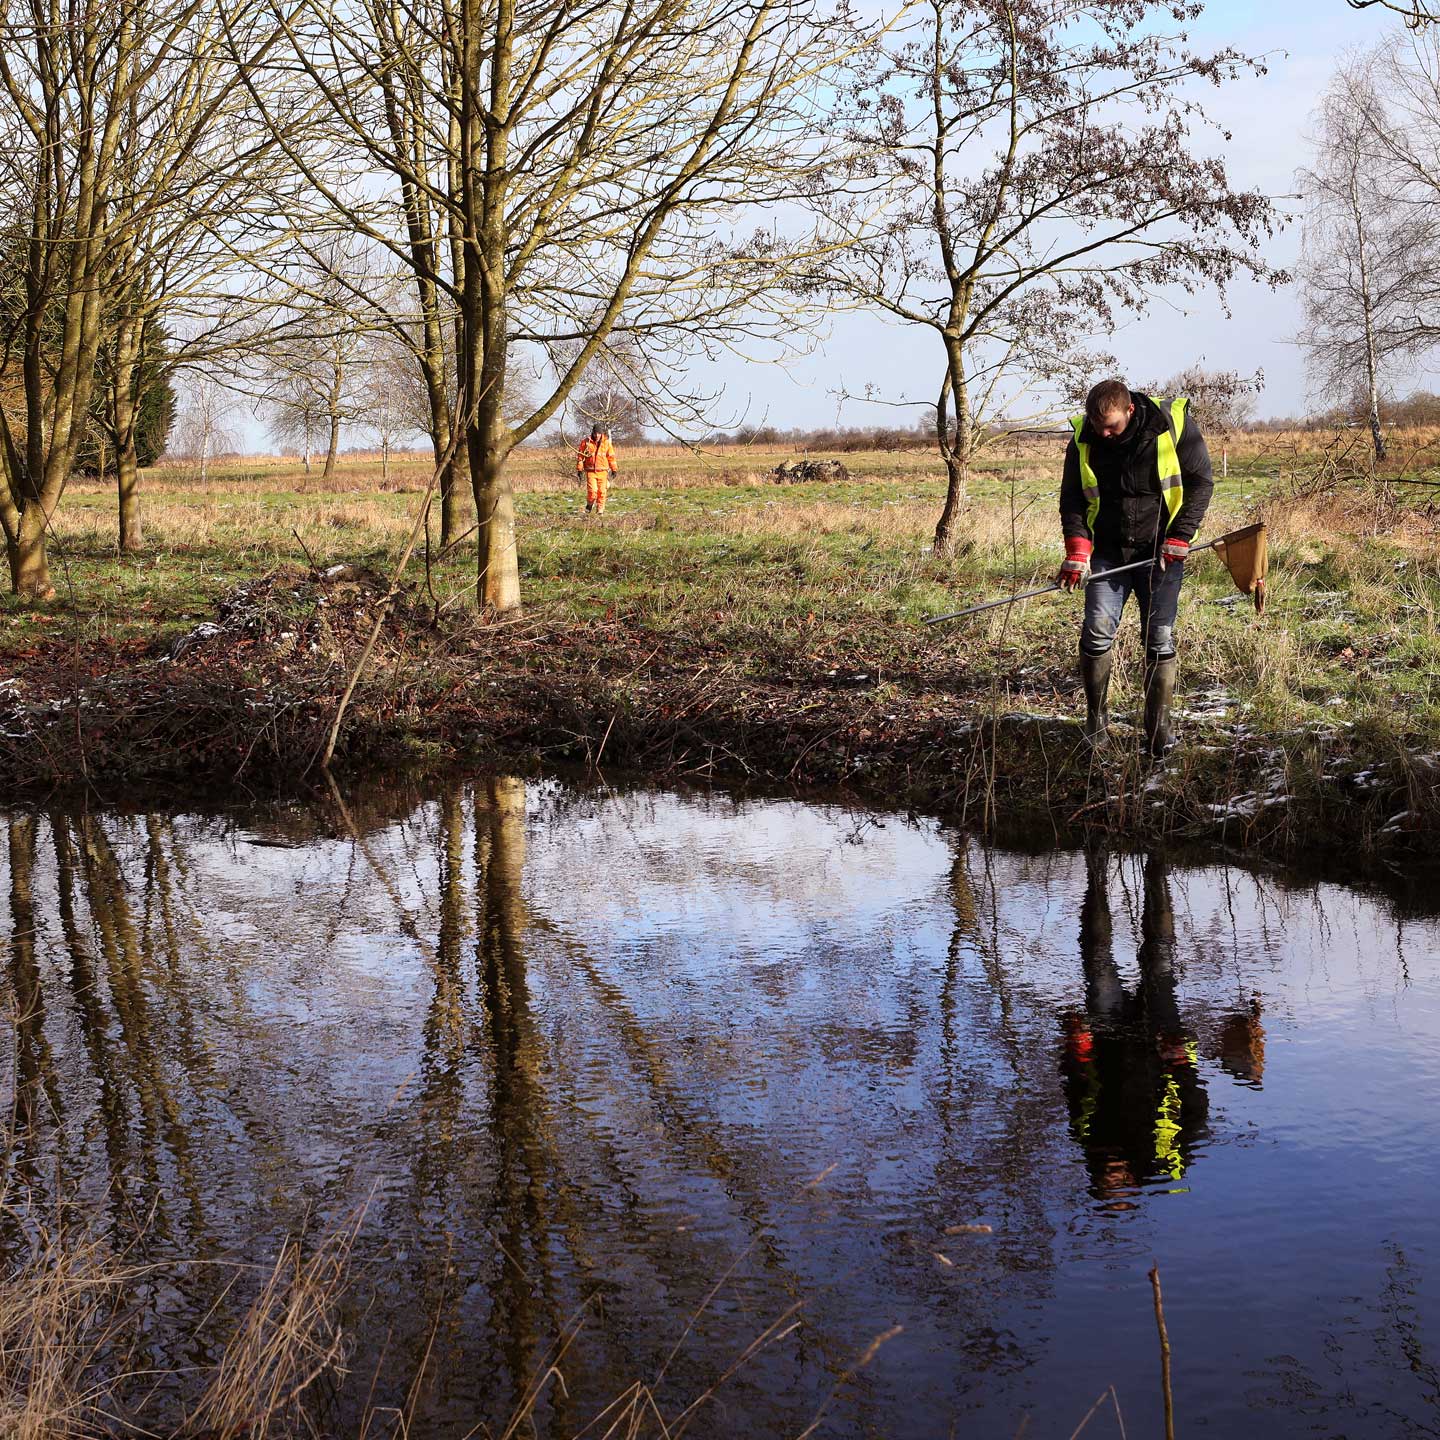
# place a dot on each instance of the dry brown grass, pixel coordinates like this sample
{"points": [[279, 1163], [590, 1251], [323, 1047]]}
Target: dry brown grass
{"points": [[531, 468], [56, 1327], [289, 1341], [537, 467], [1311, 520], [67, 1338]]}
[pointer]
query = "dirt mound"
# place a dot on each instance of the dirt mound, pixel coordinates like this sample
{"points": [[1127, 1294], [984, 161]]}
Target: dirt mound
{"points": [[249, 693]]}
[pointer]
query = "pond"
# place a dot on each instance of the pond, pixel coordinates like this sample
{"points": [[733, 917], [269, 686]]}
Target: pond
{"points": [[776, 1118]]}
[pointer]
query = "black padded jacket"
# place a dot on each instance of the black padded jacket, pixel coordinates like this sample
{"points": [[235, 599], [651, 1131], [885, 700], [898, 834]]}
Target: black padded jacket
{"points": [[1132, 512]]}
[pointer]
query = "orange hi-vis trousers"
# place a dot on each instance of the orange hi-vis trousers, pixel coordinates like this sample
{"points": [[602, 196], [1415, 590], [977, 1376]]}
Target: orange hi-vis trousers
{"points": [[597, 485]]}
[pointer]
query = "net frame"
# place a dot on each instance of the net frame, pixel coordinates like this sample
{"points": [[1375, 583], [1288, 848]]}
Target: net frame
{"points": [[1246, 553]]}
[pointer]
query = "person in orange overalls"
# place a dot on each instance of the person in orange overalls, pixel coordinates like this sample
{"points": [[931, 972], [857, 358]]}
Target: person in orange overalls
{"points": [[596, 462]]}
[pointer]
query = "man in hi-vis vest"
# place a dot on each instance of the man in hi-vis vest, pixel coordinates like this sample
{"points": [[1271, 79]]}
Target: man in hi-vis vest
{"points": [[1137, 484]]}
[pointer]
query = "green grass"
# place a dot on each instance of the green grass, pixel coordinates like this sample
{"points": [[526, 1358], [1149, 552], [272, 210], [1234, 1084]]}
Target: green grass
{"points": [[778, 571]]}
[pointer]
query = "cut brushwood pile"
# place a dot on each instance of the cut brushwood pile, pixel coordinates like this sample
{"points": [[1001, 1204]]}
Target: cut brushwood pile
{"points": [[804, 472]]}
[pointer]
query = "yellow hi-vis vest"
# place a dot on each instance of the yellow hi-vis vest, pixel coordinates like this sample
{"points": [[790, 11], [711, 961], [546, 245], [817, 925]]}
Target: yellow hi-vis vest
{"points": [[1167, 461]]}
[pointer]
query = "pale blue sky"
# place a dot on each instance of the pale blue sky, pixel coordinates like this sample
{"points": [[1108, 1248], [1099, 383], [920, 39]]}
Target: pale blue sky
{"points": [[1268, 117]]}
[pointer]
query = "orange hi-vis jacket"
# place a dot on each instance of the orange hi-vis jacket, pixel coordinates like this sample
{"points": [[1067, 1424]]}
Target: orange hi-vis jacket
{"points": [[596, 455]]}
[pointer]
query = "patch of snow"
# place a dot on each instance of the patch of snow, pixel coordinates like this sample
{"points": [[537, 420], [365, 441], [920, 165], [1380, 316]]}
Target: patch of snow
{"points": [[207, 630]]}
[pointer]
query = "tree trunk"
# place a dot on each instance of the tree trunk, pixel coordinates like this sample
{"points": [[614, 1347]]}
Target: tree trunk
{"points": [[127, 482], [457, 155], [124, 409], [1367, 305], [449, 501], [489, 445], [452, 494], [333, 450], [957, 450], [29, 564], [498, 581], [384, 460], [453, 470]]}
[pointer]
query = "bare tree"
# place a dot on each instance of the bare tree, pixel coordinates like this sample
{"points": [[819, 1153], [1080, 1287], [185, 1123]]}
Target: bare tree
{"points": [[1403, 139], [295, 399], [390, 387], [1021, 171], [1417, 13], [182, 268], [115, 114], [1369, 251], [617, 393], [558, 174], [203, 428], [1222, 401], [308, 364]]}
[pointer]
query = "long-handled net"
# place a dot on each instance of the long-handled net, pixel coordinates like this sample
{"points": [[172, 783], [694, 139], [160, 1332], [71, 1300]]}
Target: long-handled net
{"points": [[1245, 551]]}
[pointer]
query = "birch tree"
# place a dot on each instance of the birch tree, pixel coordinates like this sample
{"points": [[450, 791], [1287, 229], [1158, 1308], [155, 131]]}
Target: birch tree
{"points": [[1026, 171], [558, 174], [1372, 230], [203, 427], [1350, 269]]}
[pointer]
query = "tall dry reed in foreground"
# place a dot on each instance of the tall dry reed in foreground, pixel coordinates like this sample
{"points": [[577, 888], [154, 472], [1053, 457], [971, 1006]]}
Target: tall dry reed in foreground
{"points": [[69, 1367], [59, 1336], [68, 1344]]}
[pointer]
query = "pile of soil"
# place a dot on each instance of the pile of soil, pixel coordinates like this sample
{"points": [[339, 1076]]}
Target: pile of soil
{"points": [[247, 696]]}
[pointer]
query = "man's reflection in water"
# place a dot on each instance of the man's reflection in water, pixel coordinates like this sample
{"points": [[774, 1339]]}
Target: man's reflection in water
{"points": [[1138, 1105]]}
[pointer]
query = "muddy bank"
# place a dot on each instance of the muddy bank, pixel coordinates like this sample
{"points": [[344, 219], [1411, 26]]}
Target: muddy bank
{"points": [[247, 700]]}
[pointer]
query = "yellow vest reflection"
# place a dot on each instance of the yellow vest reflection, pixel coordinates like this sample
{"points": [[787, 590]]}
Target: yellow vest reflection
{"points": [[1138, 1103]]}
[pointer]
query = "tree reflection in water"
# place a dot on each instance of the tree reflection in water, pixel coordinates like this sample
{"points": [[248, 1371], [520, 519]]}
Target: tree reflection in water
{"points": [[578, 1094]]}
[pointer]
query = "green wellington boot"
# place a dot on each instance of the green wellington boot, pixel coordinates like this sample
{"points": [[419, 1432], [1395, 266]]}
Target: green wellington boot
{"points": [[1159, 696], [1095, 672]]}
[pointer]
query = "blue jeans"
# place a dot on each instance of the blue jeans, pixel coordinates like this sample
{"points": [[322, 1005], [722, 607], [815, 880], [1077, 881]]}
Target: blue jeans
{"points": [[1156, 591]]}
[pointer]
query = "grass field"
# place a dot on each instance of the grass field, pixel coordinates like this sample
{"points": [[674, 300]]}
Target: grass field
{"points": [[716, 624], [829, 579]]}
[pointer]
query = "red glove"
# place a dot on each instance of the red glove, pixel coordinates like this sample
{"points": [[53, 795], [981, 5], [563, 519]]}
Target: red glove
{"points": [[1076, 569], [1173, 552]]}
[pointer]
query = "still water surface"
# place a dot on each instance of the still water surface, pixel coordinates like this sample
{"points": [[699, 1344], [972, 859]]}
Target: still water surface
{"points": [[672, 1075]]}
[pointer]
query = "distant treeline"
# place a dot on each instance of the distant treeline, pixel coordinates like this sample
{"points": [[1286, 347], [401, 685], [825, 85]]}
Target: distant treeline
{"points": [[852, 439], [845, 438], [1421, 408]]}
